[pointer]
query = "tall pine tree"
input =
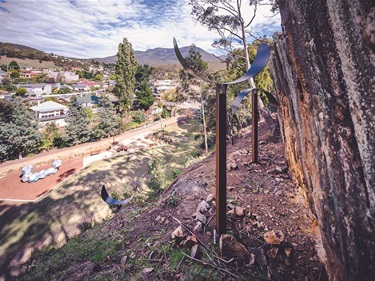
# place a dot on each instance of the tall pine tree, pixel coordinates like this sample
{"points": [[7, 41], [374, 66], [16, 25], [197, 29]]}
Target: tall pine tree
{"points": [[143, 90], [126, 69]]}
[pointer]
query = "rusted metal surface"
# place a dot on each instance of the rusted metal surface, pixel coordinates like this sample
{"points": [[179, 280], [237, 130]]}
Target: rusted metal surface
{"points": [[221, 159], [254, 129]]}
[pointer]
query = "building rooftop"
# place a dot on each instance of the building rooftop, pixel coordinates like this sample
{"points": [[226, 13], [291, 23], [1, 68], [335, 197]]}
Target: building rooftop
{"points": [[88, 99], [48, 106]]}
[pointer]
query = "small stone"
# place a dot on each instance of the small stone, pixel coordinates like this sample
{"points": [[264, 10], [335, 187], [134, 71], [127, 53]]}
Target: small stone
{"points": [[147, 270], [158, 218], [201, 217], [230, 206], [278, 169], [203, 183], [202, 207], [198, 227], [231, 248], [239, 211], [209, 198], [273, 237], [232, 166], [124, 259]]}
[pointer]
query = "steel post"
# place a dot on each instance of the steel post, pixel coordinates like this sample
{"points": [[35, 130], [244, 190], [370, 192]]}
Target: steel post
{"points": [[221, 159], [255, 117]]}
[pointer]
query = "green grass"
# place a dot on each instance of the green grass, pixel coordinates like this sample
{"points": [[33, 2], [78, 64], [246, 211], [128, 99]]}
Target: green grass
{"points": [[49, 263]]}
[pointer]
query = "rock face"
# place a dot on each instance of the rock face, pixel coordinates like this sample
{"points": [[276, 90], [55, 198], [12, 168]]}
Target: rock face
{"points": [[324, 70]]}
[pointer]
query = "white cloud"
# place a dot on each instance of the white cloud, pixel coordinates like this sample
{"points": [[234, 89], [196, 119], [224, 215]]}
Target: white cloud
{"points": [[94, 28]]}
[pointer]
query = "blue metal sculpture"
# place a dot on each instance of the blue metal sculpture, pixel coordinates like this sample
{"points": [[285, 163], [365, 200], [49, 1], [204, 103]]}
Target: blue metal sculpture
{"points": [[260, 61], [109, 200]]}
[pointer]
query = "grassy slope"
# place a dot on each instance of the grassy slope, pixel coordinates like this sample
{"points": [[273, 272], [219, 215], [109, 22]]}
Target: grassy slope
{"points": [[76, 204], [29, 63]]}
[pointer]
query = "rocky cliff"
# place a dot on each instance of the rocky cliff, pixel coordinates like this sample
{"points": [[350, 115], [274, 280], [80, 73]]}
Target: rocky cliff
{"points": [[324, 70]]}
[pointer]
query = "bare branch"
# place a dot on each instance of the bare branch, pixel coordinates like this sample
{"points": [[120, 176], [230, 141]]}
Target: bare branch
{"points": [[225, 9], [214, 266], [252, 19]]}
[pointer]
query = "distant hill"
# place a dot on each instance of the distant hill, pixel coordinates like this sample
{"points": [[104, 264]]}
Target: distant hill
{"points": [[153, 57], [166, 56], [22, 52]]}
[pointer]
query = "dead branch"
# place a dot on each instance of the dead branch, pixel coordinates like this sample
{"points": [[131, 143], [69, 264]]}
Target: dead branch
{"points": [[213, 266]]}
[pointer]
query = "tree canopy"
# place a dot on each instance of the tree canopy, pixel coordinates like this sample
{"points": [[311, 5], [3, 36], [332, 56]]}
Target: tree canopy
{"points": [[143, 90], [78, 128], [108, 122], [14, 65], [126, 69], [19, 133]]}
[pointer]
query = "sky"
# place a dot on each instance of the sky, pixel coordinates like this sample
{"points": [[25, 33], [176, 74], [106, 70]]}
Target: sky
{"points": [[94, 28]]}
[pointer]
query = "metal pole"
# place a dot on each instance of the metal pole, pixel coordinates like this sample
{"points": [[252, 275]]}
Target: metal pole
{"points": [[221, 159], [254, 135]]}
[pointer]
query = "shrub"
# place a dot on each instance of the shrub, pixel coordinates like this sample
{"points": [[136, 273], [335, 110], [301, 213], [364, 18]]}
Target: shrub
{"points": [[139, 117]]}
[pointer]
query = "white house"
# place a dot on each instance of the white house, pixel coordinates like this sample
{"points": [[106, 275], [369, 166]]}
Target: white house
{"points": [[50, 112], [70, 76], [36, 90], [81, 87], [164, 85]]}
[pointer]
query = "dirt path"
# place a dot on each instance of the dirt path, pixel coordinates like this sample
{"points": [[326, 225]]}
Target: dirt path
{"points": [[82, 149]]}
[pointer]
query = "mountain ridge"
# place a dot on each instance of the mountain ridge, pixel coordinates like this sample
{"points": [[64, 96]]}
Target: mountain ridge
{"points": [[154, 57], [163, 56]]}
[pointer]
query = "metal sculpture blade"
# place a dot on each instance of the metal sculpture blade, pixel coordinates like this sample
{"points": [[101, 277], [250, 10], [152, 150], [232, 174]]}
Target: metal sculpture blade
{"points": [[184, 64], [273, 103], [260, 61], [237, 101], [109, 200]]}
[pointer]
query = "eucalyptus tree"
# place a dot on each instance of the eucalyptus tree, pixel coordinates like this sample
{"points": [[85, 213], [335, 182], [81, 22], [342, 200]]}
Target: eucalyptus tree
{"points": [[19, 133], [232, 22], [126, 69]]}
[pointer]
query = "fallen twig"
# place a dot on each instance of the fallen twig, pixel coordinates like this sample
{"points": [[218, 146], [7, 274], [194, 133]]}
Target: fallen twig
{"points": [[213, 266], [191, 232]]}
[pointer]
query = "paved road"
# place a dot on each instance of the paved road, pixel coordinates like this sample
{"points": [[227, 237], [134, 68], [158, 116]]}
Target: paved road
{"points": [[82, 149]]}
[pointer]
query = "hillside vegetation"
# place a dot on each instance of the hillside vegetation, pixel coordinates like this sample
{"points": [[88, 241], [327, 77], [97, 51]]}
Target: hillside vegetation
{"points": [[22, 52], [29, 63]]}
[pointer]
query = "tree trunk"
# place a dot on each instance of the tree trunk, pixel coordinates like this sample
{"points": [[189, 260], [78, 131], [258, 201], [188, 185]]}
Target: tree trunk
{"points": [[324, 70]]}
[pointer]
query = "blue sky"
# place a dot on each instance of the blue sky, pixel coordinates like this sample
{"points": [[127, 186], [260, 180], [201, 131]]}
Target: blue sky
{"points": [[94, 28]]}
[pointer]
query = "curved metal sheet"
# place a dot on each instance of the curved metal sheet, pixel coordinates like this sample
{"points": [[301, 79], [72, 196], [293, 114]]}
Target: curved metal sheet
{"points": [[273, 103], [260, 61], [237, 101], [109, 200], [184, 64]]}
